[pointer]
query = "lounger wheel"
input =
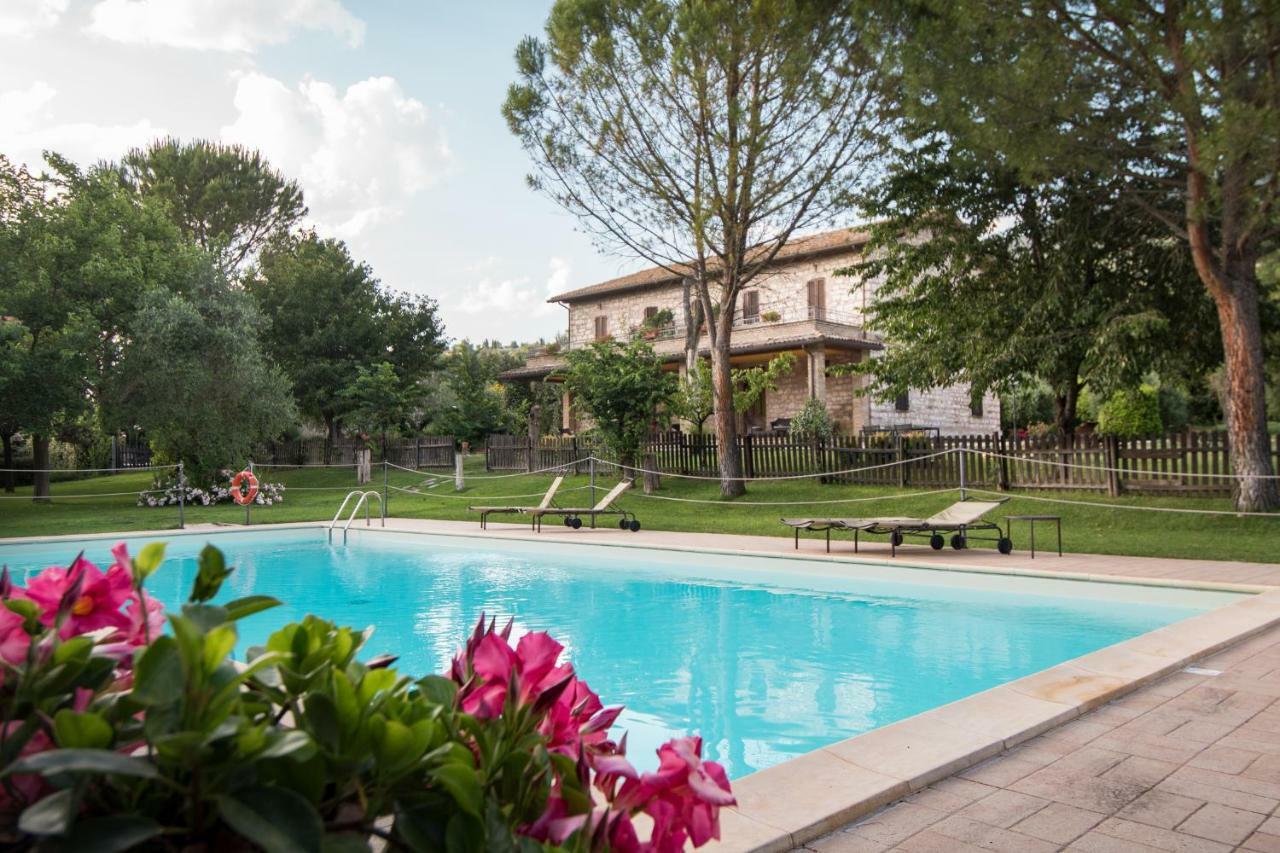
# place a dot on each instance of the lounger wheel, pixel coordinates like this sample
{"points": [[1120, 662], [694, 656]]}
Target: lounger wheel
{"points": [[957, 542], [896, 538], [936, 542], [567, 521], [1004, 545], [623, 525], [634, 525], [575, 523]]}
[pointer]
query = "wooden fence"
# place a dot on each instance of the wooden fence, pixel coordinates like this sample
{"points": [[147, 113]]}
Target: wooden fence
{"points": [[431, 451], [1186, 463]]}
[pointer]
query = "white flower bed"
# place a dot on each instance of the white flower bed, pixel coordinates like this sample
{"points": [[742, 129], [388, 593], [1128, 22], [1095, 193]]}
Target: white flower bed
{"points": [[169, 494]]}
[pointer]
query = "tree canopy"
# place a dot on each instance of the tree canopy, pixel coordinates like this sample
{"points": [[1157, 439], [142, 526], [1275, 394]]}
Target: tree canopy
{"points": [[624, 390]]}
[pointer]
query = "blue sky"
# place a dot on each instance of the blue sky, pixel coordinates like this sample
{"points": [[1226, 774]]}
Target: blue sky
{"points": [[386, 111]]}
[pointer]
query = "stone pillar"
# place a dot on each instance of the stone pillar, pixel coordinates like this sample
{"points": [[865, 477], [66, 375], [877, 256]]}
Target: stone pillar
{"points": [[566, 410], [817, 358]]}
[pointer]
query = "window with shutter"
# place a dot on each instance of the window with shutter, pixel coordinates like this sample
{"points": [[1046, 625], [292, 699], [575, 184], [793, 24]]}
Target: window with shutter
{"points": [[817, 298], [903, 403], [602, 328], [975, 405], [650, 311], [750, 306]]}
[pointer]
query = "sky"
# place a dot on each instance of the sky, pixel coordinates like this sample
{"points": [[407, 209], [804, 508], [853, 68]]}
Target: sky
{"points": [[387, 113]]}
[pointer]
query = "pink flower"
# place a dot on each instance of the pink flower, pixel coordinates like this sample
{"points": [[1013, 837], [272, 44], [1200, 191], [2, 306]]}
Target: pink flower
{"points": [[687, 792], [97, 605], [29, 787], [141, 631], [14, 640]]}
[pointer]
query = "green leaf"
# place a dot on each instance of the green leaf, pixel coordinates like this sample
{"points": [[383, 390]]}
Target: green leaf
{"points": [[438, 690], [50, 816], [218, 643], [148, 560], [209, 577], [158, 677], [82, 761], [249, 605], [81, 731], [374, 682], [111, 834], [289, 743], [322, 716], [276, 819], [345, 842], [463, 784], [205, 617]]}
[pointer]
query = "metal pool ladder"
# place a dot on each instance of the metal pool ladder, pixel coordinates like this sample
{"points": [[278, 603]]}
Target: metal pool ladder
{"points": [[362, 502]]}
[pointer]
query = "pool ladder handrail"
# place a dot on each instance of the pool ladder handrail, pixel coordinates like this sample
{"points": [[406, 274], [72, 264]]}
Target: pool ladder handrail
{"points": [[364, 497]]}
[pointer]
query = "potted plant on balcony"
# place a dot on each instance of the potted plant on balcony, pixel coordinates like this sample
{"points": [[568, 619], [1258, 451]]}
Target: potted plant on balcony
{"points": [[770, 316], [655, 323]]}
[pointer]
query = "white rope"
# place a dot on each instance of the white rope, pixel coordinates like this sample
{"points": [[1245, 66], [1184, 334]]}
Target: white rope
{"points": [[1182, 510], [482, 497], [552, 469], [726, 503], [257, 465], [784, 477], [135, 493], [85, 470], [1130, 471]]}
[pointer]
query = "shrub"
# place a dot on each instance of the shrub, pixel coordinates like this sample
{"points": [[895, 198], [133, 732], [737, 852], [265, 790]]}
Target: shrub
{"points": [[1130, 413], [812, 421], [1175, 411], [165, 491], [117, 735]]}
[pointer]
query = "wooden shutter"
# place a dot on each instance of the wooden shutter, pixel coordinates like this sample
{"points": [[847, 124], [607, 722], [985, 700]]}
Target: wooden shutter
{"points": [[817, 298], [750, 305], [650, 311], [903, 403], [602, 328]]}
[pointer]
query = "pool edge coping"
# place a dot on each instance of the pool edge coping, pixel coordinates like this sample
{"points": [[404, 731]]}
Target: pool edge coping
{"points": [[791, 803]]}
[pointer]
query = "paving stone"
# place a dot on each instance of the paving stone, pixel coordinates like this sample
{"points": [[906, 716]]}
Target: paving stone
{"points": [[934, 842], [845, 842], [1266, 768], [1003, 808], [1201, 731], [990, 837], [1262, 842], [1224, 759], [1000, 771], [1081, 790], [1098, 842], [951, 795], [1144, 771], [896, 823], [1160, 808], [1221, 823], [1176, 784], [1161, 839], [1059, 823]]}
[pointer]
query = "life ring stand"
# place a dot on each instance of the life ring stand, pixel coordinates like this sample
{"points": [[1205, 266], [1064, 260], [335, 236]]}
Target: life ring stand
{"points": [[238, 492]]}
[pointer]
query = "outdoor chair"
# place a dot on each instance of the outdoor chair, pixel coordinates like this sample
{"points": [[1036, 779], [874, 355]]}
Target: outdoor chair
{"points": [[960, 519], [486, 511], [573, 515]]}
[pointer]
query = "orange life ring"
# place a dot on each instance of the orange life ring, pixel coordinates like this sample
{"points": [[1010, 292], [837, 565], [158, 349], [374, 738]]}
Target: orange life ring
{"points": [[239, 495]]}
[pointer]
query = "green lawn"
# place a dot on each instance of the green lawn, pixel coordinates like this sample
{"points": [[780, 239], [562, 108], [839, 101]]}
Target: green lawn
{"points": [[315, 493]]}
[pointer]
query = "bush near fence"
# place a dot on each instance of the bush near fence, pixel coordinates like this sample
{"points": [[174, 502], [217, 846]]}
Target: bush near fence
{"points": [[1193, 463], [428, 451]]}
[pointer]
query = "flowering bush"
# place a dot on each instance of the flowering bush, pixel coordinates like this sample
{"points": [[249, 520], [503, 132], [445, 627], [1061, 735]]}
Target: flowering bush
{"points": [[116, 734], [168, 493]]}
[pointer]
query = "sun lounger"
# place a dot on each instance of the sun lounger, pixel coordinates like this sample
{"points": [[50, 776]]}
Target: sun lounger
{"points": [[960, 519], [486, 511], [573, 515]]}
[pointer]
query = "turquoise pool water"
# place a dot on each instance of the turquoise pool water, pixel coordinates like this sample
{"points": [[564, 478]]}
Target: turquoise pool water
{"points": [[765, 658]]}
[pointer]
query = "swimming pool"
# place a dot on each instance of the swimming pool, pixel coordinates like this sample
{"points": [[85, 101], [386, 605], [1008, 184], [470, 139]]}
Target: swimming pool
{"points": [[766, 658]]}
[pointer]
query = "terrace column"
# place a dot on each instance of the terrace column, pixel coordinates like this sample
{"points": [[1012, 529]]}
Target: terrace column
{"points": [[566, 410], [817, 359]]}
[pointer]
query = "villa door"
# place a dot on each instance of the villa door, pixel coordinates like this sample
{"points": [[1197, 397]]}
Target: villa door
{"points": [[753, 419]]}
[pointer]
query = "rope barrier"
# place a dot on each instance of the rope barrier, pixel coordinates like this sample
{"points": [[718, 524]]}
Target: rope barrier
{"points": [[134, 493], [258, 465], [794, 503], [780, 477], [1130, 471], [1183, 510], [84, 470], [482, 497], [552, 469]]}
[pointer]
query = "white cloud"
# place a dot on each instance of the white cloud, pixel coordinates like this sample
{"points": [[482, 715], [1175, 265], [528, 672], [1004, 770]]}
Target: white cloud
{"points": [[229, 25], [558, 278], [517, 296], [25, 17], [360, 155], [26, 130]]}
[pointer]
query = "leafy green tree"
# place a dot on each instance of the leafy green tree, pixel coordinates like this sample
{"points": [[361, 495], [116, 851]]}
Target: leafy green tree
{"points": [[700, 136], [226, 198], [196, 378], [378, 401], [624, 389], [1130, 413], [1182, 97], [328, 318], [472, 403], [1062, 279]]}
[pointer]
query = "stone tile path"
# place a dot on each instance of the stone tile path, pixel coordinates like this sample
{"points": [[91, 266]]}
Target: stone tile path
{"points": [[1188, 764]]}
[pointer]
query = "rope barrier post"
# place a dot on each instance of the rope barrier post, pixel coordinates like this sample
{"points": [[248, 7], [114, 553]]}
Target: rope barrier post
{"points": [[246, 506], [457, 471], [591, 467], [384, 492], [182, 498]]}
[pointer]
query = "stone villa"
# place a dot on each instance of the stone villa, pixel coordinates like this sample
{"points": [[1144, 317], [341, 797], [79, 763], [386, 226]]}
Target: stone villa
{"points": [[799, 306]]}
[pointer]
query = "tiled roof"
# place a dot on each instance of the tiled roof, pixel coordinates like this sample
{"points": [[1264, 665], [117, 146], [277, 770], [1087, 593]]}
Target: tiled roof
{"points": [[840, 240]]}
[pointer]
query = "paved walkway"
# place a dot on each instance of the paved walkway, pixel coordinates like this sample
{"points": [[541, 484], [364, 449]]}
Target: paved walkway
{"points": [[1190, 763]]}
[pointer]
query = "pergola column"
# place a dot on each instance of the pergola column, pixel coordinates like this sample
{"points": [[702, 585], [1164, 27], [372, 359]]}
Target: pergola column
{"points": [[566, 410], [817, 358]]}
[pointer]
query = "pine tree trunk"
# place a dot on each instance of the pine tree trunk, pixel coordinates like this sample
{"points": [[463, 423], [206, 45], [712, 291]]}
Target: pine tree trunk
{"points": [[731, 484], [40, 462], [1246, 409]]}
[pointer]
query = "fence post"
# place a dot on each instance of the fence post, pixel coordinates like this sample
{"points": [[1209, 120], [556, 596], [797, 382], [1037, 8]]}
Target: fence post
{"points": [[900, 458], [1004, 462], [182, 498], [384, 488], [591, 467], [1112, 456], [457, 471], [748, 456]]}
